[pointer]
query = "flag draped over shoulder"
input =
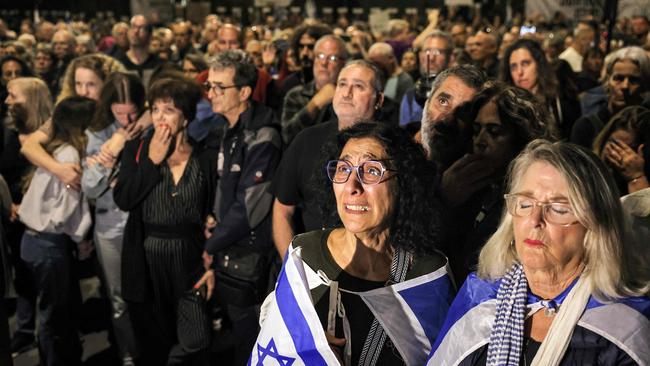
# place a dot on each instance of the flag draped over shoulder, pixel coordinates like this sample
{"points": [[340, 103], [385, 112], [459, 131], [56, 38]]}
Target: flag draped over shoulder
{"points": [[291, 334], [411, 312], [624, 322]]}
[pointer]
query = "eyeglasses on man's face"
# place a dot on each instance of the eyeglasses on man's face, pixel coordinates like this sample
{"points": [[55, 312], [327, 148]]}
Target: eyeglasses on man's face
{"points": [[433, 51], [556, 213], [217, 88], [325, 58], [369, 172]]}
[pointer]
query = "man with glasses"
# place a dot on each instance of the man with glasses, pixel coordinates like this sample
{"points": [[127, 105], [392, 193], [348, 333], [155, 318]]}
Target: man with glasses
{"points": [[434, 59], [357, 97], [137, 58], [309, 104], [249, 152]]}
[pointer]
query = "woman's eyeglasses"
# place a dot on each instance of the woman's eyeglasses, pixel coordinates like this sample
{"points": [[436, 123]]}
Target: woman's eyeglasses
{"points": [[556, 213], [369, 172]]}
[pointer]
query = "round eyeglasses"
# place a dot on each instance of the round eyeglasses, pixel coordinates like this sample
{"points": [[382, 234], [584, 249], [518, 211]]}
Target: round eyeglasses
{"points": [[555, 213], [369, 172]]}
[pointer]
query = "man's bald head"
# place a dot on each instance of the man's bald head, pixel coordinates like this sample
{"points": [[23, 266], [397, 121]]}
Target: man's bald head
{"points": [[381, 53], [63, 42]]}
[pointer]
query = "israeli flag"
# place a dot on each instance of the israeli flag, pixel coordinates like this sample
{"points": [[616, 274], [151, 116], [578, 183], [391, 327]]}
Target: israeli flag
{"points": [[292, 334], [411, 312]]}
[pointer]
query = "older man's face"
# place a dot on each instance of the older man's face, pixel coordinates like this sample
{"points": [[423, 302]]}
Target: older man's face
{"points": [[355, 98], [434, 50], [63, 44], [328, 63], [228, 39], [139, 31], [440, 131], [481, 47]]}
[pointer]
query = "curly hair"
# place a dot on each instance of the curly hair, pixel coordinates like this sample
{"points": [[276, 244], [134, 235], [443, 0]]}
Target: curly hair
{"points": [[102, 65], [416, 223], [315, 31], [518, 110]]}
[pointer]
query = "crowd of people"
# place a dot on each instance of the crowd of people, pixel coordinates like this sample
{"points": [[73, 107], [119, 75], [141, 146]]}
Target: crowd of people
{"points": [[192, 160]]}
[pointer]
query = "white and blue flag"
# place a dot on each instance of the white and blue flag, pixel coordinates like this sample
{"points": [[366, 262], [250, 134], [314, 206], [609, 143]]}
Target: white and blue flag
{"points": [[411, 312]]}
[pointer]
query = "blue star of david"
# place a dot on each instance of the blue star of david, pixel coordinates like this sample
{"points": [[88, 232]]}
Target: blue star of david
{"points": [[272, 351]]}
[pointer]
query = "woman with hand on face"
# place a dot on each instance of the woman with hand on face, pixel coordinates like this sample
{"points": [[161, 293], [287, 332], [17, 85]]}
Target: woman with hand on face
{"points": [[558, 283], [503, 120], [622, 146], [84, 77], [166, 183], [121, 102]]}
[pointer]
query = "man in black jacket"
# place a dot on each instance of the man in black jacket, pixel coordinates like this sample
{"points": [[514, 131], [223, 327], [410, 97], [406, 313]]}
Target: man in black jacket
{"points": [[249, 152]]}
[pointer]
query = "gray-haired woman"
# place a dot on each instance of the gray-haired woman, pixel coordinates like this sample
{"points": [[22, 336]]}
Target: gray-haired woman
{"points": [[558, 283]]}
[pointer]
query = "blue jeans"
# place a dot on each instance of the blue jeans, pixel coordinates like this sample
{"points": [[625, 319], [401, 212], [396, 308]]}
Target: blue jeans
{"points": [[49, 258]]}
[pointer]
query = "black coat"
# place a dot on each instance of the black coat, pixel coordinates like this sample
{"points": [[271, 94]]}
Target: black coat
{"points": [[137, 177]]}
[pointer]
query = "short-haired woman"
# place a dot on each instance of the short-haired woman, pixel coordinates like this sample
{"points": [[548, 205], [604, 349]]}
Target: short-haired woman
{"points": [[166, 183]]}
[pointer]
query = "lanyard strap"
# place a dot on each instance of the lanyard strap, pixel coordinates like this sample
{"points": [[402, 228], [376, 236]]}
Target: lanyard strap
{"points": [[377, 336]]}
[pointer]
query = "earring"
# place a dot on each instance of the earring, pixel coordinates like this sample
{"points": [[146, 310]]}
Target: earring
{"points": [[512, 243]]}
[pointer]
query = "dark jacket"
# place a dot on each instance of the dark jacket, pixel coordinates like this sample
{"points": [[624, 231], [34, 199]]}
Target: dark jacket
{"points": [[137, 177], [249, 154]]}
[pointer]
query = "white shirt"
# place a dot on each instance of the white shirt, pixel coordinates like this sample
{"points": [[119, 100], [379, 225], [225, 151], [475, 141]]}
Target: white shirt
{"points": [[573, 57], [50, 207]]}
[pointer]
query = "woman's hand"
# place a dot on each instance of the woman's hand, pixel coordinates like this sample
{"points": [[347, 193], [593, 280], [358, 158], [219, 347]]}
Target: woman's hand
{"points": [[208, 280], [628, 162], [465, 177], [106, 159], [336, 344], [210, 223], [207, 260], [160, 143], [84, 249], [69, 174]]}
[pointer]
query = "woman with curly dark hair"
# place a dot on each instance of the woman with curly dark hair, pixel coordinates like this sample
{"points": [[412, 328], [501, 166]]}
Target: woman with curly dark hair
{"points": [[524, 65], [383, 188], [503, 119]]}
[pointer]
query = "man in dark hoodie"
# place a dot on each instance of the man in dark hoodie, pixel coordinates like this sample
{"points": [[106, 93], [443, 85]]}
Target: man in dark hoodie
{"points": [[249, 152]]}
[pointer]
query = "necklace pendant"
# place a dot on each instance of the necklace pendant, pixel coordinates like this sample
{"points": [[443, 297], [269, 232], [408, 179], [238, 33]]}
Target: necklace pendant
{"points": [[174, 194], [549, 312]]}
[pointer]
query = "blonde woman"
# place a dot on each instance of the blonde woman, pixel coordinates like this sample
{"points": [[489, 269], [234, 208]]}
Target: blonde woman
{"points": [[29, 104], [84, 77], [559, 283]]}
